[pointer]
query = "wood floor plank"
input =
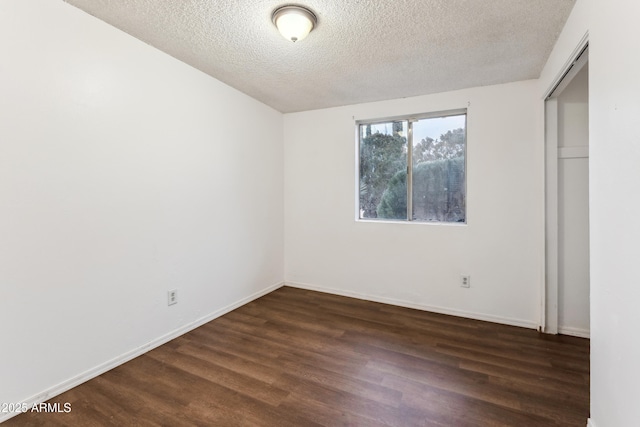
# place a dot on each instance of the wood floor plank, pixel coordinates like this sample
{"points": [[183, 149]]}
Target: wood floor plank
{"points": [[327, 415], [545, 378], [301, 358], [456, 409], [222, 376], [541, 365]]}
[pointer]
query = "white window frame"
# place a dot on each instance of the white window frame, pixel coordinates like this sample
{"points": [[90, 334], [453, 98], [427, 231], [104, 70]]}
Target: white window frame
{"points": [[410, 119]]}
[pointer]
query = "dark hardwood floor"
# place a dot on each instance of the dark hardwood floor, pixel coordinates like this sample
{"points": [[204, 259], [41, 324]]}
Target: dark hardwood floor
{"points": [[302, 358]]}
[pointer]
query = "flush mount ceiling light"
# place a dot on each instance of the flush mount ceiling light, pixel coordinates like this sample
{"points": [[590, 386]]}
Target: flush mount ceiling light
{"points": [[294, 22]]}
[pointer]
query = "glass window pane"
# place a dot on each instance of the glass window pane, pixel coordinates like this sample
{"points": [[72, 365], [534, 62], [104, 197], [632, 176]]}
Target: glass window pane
{"points": [[438, 169], [383, 170]]}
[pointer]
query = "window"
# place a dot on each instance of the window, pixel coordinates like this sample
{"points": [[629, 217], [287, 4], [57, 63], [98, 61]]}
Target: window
{"points": [[413, 168]]}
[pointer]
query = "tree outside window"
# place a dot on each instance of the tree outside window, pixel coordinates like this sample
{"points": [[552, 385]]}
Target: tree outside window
{"points": [[430, 151]]}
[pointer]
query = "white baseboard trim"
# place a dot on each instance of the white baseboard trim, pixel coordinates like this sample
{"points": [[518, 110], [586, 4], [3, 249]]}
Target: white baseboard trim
{"points": [[575, 332], [102, 368], [591, 423], [423, 307]]}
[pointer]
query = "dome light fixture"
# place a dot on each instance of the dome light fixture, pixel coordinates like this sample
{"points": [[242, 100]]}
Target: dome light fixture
{"points": [[294, 22]]}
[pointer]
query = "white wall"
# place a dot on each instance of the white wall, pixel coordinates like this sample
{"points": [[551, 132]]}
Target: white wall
{"points": [[614, 150], [614, 86], [419, 265], [123, 173], [122, 176]]}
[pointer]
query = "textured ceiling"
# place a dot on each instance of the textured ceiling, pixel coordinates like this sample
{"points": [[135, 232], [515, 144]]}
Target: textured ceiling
{"points": [[360, 51]]}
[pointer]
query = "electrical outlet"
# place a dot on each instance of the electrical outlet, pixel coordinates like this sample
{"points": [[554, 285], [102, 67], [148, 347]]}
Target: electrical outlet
{"points": [[465, 281], [172, 297]]}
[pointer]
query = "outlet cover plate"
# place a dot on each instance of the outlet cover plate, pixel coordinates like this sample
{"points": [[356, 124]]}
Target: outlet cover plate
{"points": [[465, 281], [172, 297]]}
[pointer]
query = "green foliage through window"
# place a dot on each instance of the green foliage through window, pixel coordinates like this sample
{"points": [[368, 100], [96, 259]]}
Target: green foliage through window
{"points": [[436, 146]]}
